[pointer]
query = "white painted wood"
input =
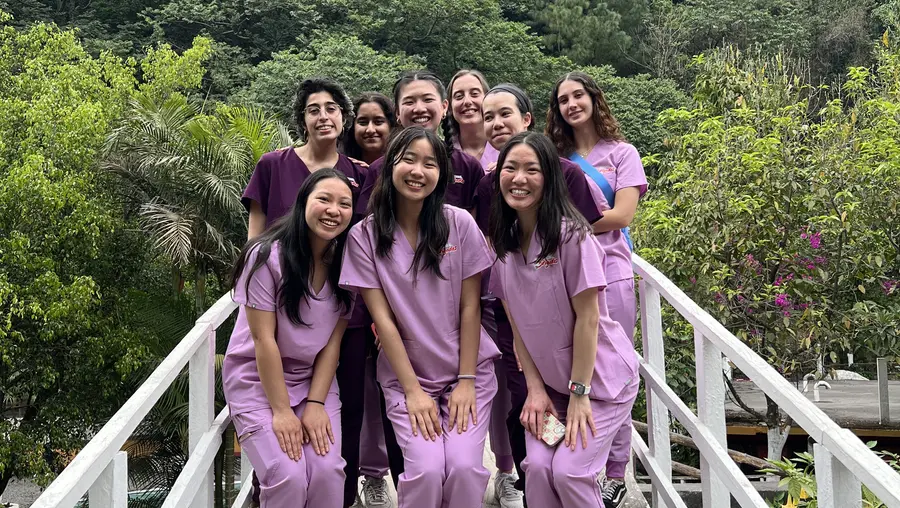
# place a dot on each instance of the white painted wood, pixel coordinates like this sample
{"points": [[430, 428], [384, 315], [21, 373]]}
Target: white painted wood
{"points": [[219, 312], [884, 403], [710, 447], [711, 412], [111, 488], [871, 470], [663, 490], [243, 497], [836, 485], [657, 414], [246, 468], [81, 473], [193, 475], [201, 399], [855, 455]]}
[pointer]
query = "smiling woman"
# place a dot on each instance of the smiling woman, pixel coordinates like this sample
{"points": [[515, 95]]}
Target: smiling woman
{"points": [[279, 369]]}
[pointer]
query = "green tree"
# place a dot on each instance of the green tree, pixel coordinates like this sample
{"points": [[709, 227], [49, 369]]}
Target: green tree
{"points": [[274, 82], [591, 32], [183, 172], [66, 258], [72, 267], [780, 219]]}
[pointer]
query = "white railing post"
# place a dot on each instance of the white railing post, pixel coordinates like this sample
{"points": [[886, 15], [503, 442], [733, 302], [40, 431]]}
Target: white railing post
{"points": [[111, 488], [201, 409], [657, 413], [711, 413], [246, 468], [837, 487]]}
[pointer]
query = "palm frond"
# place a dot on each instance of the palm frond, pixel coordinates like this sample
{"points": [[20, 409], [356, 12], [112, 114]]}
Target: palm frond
{"points": [[169, 230]]}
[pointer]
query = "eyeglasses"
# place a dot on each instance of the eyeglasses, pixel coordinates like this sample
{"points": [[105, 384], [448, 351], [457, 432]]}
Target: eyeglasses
{"points": [[329, 109]]}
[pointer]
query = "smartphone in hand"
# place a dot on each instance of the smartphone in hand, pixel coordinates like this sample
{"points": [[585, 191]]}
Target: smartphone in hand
{"points": [[554, 430]]}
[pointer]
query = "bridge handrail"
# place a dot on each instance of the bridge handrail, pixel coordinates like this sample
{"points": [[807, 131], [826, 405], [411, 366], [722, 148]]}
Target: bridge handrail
{"points": [[848, 451], [93, 460]]}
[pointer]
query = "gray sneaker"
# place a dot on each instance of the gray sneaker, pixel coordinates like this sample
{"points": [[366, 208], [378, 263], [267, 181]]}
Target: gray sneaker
{"points": [[375, 493], [506, 492]]}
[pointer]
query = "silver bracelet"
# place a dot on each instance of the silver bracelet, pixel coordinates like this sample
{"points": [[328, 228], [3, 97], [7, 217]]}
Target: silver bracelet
{"points": [[465, 376]]}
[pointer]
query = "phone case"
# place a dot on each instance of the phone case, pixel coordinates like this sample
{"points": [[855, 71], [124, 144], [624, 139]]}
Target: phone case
{"points": [[554, 430]]}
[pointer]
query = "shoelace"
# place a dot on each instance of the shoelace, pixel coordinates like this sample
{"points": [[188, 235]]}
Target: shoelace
{"points": [[375, 491], [508, 487], [610, 488]]}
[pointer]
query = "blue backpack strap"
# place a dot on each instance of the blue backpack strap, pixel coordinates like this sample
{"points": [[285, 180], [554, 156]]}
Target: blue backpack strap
{"points": [[605, 188]]}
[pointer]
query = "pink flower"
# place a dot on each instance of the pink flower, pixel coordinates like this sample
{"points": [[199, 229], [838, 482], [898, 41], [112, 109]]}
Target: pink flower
{"points": [[810, 266], [804, 236], [781, 300], [821, 260], [815, 240], [779, 280], [693, 280], [786, 313]]}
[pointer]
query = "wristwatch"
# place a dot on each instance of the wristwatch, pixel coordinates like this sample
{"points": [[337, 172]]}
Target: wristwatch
{"points": [[578, 388]]}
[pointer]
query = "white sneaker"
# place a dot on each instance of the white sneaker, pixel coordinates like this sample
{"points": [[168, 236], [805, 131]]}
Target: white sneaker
{"points": [[506, 492], [375, 493]]}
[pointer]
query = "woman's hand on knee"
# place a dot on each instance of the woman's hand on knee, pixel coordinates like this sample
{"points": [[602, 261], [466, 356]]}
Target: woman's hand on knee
{"points": [[536, 404], [423, 414], [579, 418], [317, 427], [461, 404], [289, 431]]}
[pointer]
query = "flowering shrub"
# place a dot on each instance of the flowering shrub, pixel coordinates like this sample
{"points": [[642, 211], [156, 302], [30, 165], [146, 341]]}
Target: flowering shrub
{"points": [[778, 207]]}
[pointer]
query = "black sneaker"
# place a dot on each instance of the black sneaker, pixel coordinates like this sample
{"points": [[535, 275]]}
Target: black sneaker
{"points": [[613, 493]]}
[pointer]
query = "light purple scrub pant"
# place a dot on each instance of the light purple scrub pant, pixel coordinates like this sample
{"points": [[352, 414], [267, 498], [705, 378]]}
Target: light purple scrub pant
{"points": [[373, 459], [557, 477], [622, 307], [448, 472], [311, 482]]}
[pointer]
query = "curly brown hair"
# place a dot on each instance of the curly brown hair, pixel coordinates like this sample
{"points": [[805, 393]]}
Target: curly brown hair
{"points": [[562, 134]]}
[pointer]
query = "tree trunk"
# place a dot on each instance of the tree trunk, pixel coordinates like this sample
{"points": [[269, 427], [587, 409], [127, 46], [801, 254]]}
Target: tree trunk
{"points": [[229, 464], [200, 289], [777, 435], [218, 497], [5, 477]]}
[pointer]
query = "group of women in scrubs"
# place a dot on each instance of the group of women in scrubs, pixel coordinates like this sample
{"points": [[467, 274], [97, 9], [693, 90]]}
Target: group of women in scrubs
{"points": [[403, 296]]}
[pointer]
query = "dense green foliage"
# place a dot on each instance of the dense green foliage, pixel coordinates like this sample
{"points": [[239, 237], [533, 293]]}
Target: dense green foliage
{"points": [[128, 132]]}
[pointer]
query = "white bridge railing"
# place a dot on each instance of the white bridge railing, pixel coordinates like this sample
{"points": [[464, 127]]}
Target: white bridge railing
{"points": [[101, 470], [843, 462]]}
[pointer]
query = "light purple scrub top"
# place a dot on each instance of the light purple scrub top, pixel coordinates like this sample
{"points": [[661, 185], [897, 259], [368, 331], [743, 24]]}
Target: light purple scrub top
{"points": [[299, 345], [538, 295], [427, 312], [621, 164]]}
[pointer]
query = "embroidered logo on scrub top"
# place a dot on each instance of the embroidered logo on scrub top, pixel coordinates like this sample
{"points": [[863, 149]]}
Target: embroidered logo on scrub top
{"points": [[458, 179], [546, 262], [607, 169], [449, 248], [353, 182]]}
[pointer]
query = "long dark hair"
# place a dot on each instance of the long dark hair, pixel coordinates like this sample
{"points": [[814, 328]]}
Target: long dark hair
{"points": [[555, 206], [296, 256], [433, 227], [604, 122], [449, 125], [351, 147], [316, 85]]}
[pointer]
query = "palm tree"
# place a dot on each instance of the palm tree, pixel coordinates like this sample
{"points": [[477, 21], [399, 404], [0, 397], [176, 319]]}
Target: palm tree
{"points": [[181, 173]]}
